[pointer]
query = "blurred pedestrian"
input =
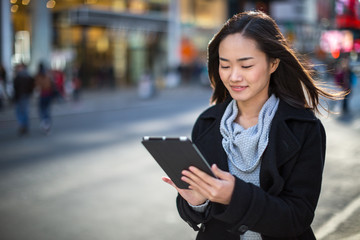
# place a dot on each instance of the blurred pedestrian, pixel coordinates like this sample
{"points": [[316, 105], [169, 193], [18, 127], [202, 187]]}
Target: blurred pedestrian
{"points": [[59, 81], [261, 137], [3, 94], [76, 83], [344, 78], [47, 91], [146, 87], [23, 89]]}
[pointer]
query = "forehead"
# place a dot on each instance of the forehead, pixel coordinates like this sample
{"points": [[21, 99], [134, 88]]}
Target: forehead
{"points": [[238, 44]]}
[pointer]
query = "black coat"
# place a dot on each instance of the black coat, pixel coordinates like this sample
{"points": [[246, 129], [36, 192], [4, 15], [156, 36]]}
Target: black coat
{"points": [[23, 85], [290, 179]]}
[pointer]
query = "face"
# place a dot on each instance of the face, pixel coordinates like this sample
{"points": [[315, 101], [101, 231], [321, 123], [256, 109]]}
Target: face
{"points": [[244, 69]]}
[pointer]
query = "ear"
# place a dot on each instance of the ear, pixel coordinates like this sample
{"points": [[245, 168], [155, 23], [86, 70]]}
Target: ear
{"points": [[274, 63]]}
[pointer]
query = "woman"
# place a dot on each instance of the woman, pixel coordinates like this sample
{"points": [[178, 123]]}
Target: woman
{"points": [[261, 137]]}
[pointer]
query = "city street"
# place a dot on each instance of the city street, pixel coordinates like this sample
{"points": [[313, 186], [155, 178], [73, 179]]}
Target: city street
{"points": [[92, 179]]}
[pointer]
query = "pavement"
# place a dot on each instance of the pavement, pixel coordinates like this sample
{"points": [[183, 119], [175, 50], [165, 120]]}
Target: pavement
{"points": [[90, 100]]}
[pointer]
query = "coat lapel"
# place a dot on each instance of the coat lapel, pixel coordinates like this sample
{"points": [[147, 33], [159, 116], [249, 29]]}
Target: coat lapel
{"points": [[283, 142], [282, 147]]}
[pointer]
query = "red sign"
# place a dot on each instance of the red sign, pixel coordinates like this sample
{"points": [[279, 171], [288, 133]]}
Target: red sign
{"points": [[347, 14]]}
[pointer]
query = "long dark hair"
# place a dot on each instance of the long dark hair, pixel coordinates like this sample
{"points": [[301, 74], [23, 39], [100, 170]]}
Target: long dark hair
{"points": [[292, 81]]}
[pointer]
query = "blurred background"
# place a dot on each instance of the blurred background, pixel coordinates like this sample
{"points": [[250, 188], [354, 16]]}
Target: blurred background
{"points": [[121, 69], [112, 43]]}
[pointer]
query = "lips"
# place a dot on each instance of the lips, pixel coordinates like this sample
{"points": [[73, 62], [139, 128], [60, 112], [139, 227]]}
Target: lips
{"points": [[238, 88]]}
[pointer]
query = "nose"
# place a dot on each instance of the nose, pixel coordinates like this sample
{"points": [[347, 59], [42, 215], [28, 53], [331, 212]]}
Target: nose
{"points": [[236, 75]]}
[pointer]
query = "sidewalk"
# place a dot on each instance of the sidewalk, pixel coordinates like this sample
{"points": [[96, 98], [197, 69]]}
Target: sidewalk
{"points": [[90, 100], [103, 100]]}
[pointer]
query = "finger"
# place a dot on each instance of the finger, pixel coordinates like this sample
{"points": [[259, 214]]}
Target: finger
{"points": [[220, 173], [193, 179], [202, 175], [169, 181], [197, 184], [204, 191]]}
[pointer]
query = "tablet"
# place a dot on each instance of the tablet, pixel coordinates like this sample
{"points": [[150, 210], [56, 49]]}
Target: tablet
{"points": [[174, 155]]}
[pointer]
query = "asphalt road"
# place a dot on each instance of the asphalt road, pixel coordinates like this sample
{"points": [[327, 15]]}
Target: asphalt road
{"points": [[92, 179]]}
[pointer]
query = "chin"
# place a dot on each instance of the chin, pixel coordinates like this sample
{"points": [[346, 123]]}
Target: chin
{"points": [[239, 97]]}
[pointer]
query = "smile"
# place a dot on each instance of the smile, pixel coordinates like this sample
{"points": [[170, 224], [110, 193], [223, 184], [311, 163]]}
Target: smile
{"points": [[238, 88]]}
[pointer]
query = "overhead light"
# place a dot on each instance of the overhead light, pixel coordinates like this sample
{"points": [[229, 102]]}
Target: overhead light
{"points": [[13, 1], [25, 2], [51, 4], [14, 8]]}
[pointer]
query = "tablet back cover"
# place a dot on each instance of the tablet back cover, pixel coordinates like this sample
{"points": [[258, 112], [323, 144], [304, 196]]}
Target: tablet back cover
{"points": [[175, 155]]}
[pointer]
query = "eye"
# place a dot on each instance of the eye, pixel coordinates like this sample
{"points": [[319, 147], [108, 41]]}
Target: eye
{"points": [[249, 66], [224, 67]]}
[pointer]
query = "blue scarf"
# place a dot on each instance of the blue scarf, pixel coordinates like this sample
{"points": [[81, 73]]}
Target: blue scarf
{"points": [[244, 147]]}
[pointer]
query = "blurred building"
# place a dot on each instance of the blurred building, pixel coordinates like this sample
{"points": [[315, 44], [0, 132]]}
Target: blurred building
{"points": [[340, 28], [113, 42], [320, 28], [347, 19], [298, 22], [109, 42]]}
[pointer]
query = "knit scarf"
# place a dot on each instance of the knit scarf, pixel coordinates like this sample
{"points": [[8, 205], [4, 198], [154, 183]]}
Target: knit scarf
{"points": [[244, 147]]}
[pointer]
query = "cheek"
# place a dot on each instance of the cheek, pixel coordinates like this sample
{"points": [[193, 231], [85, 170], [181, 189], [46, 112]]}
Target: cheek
{"points": [[222, 74], [255, 76], [260, 76]]}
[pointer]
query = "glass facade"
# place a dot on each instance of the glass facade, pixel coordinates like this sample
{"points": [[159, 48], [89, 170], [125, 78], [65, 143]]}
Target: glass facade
{"points": [[113, 42]]}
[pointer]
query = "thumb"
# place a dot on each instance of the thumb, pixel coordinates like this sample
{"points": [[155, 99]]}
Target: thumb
{"points": [[169, 181], [219, 173]]}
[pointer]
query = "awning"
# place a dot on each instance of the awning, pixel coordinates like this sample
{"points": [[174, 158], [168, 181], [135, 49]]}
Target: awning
{"points": [[120, 20]]}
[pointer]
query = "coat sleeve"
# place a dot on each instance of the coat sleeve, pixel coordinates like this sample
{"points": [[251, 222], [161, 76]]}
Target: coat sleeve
{"points": [[290, 212]]}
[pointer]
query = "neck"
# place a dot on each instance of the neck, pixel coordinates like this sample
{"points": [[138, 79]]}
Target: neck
{"points": [[248, 113], [253, 108]]}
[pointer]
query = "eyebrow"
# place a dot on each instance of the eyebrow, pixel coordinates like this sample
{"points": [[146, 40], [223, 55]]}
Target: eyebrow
{"points": [[238, 60]]}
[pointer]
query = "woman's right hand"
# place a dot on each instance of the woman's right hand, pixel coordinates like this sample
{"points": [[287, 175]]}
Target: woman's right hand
{"points": [[191, 196]]}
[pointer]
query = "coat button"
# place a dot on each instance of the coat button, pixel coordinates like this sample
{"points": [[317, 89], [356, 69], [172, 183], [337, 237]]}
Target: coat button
{"points": [[243, 228]]}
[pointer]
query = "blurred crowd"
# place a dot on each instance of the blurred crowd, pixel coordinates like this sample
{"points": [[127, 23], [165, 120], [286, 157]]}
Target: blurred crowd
{"points": [[47, 85]]}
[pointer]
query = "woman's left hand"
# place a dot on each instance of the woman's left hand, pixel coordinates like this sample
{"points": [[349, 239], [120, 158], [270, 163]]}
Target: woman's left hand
{"points": [[218, 189]]}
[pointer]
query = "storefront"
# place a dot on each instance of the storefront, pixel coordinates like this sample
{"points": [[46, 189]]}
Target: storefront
{"points": [[109, 48], [111, 42]]}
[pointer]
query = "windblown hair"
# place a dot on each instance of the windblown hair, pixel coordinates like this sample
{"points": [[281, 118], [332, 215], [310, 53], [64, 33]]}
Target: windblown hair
{"points": [[292, 81]]}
